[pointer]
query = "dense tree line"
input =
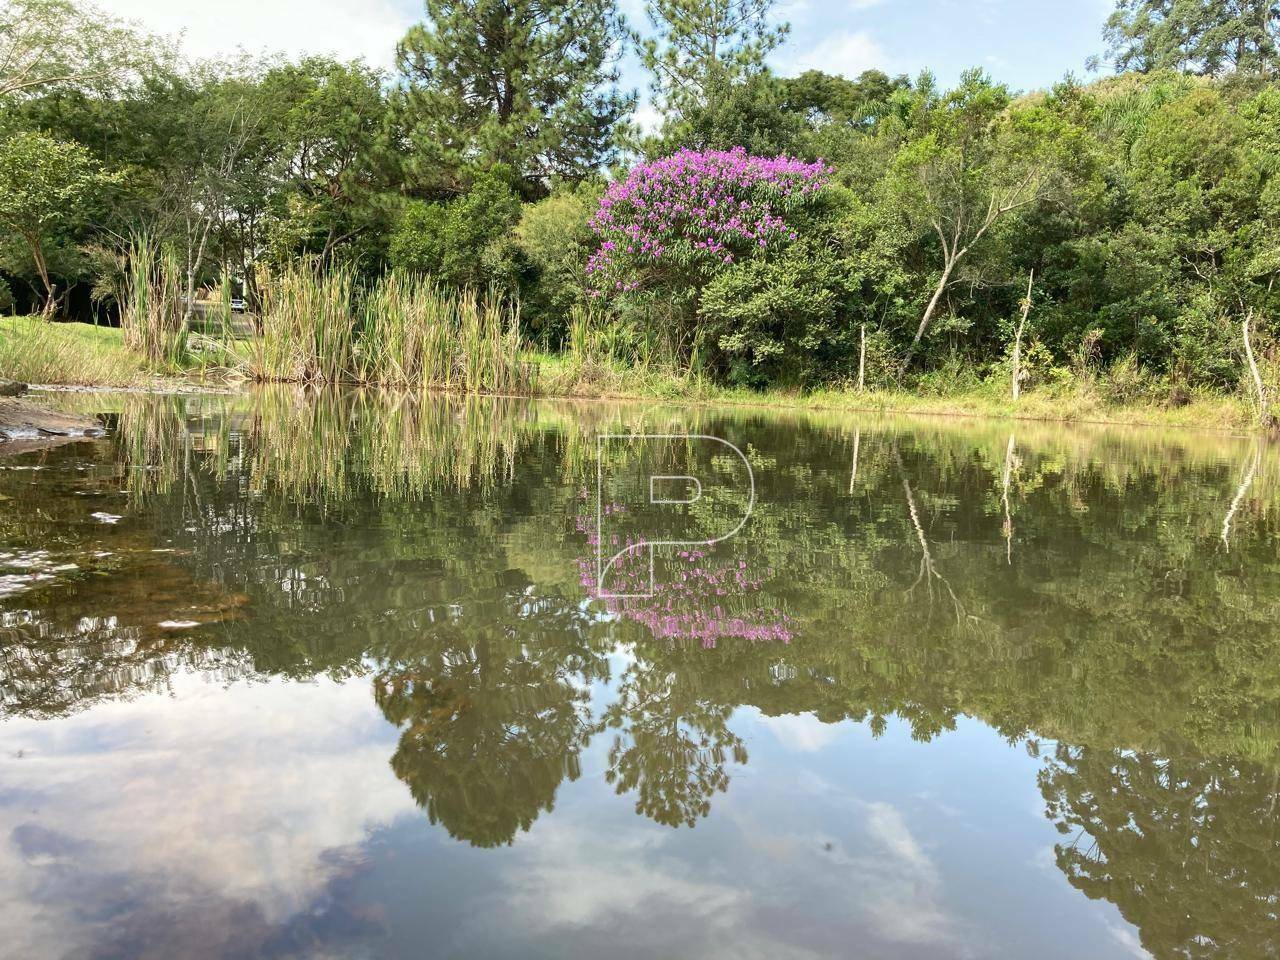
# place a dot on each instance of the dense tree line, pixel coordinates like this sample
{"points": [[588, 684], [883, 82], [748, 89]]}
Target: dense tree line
{"points": [[1140, 209]]}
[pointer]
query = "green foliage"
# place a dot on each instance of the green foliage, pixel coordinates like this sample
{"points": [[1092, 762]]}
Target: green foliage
{"points": [[416, 334], [745, 111], [785, 318], [555, 240], [307, 331], [1202, 36], [319, 326], [525, 83], [153, 314], [45, 185], [702, 48], [60, 44], [1147, 204], [329, 148], [461, 242]]}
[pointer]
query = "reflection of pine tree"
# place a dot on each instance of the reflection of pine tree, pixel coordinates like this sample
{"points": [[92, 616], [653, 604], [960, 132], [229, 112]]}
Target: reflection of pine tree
{"points": [[672, 745], [1189, 850], [493, 711]]}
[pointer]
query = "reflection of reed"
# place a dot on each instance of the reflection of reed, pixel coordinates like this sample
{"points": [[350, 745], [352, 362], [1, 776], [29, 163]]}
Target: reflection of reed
{"points": [[317, 447], [154, 444]]}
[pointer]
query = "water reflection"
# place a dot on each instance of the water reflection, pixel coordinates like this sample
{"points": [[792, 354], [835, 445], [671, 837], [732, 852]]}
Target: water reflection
{"points": [[1105, 599]]}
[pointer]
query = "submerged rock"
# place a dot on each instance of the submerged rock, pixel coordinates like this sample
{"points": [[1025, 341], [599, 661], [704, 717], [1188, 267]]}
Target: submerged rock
{"points": [[20, 420]]}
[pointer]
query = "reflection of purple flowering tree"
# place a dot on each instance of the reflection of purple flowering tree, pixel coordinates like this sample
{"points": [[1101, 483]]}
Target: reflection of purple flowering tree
{"points": [[704, 598], [673, 222]]}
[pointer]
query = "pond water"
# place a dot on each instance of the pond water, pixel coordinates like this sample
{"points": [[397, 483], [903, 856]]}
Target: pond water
{"points": [[330, 676]]}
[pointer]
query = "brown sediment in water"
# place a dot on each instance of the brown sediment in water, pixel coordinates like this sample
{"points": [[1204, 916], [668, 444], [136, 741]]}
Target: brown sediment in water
{"points": [[25, 426]]}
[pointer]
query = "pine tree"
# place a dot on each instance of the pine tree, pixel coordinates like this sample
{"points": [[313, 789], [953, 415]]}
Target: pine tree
{"points": [[704, 47], [1197, 36], [527, 83]]}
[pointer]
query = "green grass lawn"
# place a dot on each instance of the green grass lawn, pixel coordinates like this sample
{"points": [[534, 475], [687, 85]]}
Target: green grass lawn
{"points": [[38, 351], [1206, 410]]}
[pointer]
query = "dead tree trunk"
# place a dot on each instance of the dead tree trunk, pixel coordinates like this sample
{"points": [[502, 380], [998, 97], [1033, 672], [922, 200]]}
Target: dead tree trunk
{"points": [[862, 360], [1017, 339], [1263, 410]]}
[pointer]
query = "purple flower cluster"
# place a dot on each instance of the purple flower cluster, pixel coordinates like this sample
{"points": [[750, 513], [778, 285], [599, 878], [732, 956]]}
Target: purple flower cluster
{"points": [[698, 208]]}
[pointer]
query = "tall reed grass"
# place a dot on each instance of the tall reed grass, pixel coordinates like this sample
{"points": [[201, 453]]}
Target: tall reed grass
{"points": [[318, 326], [152, 313], [307, 330]]}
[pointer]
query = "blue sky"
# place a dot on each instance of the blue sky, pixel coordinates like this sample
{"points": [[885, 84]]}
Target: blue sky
{"points": [[1026, 43]]}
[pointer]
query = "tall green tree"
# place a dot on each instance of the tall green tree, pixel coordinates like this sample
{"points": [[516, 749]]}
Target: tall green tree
{"points": [[44, 187], [329, 156], [703, 47], [1198, 36], [971, 161], [528, 83]]}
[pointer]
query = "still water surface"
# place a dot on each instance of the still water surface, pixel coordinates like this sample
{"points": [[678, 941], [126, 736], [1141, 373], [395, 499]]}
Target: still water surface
{"points": [[299, 676]]}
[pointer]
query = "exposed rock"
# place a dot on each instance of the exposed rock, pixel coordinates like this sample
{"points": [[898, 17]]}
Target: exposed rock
{"points": [[20, 420]]}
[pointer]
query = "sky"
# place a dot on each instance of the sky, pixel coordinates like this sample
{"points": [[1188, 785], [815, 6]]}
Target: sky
{"points": [[1025, 43]]}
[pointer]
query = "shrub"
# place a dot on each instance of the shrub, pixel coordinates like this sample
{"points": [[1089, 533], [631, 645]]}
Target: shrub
{"points": [[463, 242], [555, 240], [1127, 382], [783, 318]]}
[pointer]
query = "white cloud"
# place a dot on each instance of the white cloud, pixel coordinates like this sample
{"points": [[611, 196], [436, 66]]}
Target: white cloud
{"points": [[647, 117], [369, 29], [848, 53], [1129, 941]]}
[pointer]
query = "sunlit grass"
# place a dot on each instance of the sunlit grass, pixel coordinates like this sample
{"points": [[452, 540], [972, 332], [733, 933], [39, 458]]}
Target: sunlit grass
{"points": [[34, 350]]}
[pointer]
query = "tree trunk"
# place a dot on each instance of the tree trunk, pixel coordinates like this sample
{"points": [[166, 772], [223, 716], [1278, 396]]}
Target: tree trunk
{"points": [[933, 304], [1253, 368], [1017, 339], [862, 361], [42, 268]]}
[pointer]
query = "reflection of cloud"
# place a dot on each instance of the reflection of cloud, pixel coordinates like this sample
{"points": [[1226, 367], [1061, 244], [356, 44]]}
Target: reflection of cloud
{"points": [[886, 824], [1129, 941], [626, 885], [770, 891], [251, 797], [801, 732], [905, 904]]}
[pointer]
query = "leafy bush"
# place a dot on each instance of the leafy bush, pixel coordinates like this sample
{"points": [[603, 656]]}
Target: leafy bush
{"points": [[783, 318], [6, 295], [1127, 382], [555, 240], [464, 242]]}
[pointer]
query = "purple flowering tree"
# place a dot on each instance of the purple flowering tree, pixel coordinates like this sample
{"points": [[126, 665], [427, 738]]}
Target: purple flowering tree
{"points": [[673, 223]]}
